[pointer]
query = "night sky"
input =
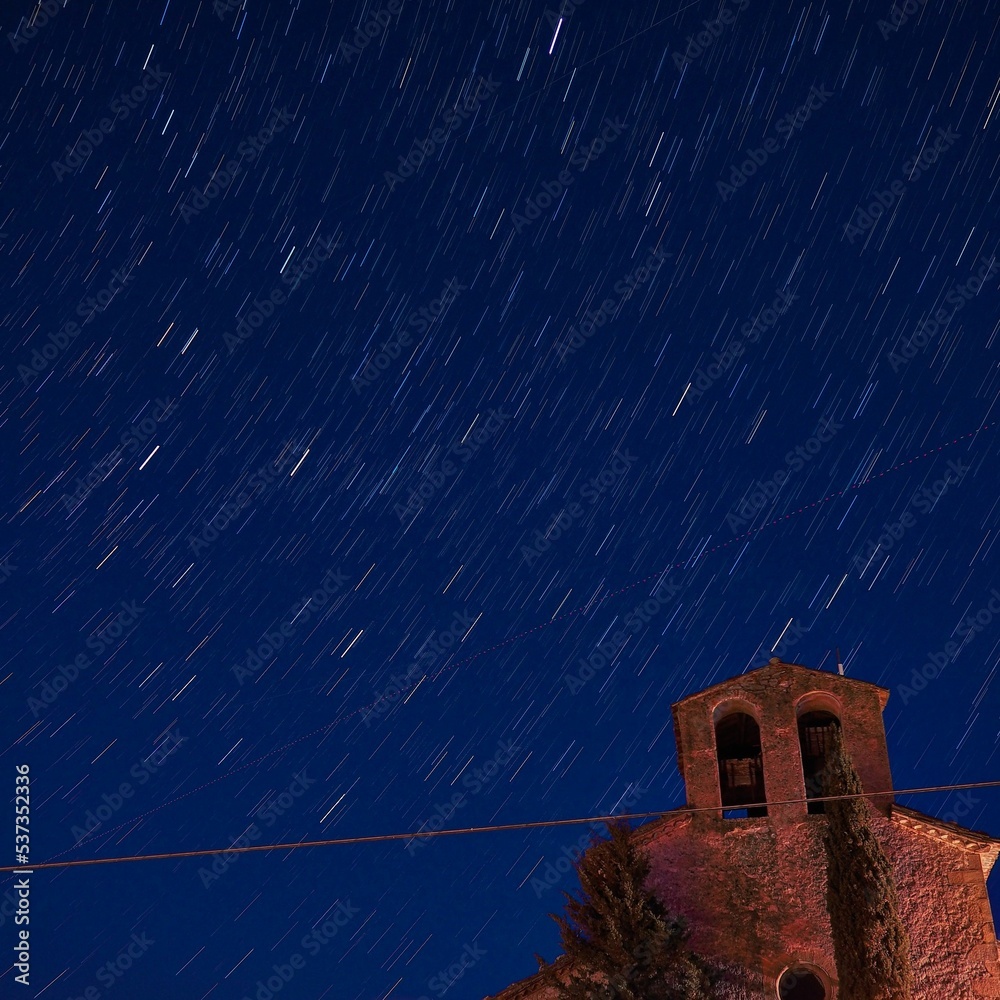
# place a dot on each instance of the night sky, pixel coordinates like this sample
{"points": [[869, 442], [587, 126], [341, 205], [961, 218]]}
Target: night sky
{"points": [[519, 374]]}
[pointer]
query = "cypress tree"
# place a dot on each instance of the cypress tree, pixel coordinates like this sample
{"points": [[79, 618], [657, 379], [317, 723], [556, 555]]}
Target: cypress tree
{"points": [[619, 941], [870, 943]]}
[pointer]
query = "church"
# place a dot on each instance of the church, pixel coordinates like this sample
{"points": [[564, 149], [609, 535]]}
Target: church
{"points": [[743, 861]]}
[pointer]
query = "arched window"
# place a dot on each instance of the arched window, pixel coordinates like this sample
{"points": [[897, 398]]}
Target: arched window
{"points": [[800, 984], [816, 731], [741, 769]]}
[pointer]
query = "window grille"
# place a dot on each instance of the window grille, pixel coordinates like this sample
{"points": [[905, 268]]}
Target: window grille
{"points": [[817, 741]]}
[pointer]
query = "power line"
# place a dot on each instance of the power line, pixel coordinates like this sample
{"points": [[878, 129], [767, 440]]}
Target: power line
{"points": [[497, 828]]}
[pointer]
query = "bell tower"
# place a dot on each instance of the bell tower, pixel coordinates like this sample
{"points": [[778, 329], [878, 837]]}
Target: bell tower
{"points": [[760, 741]]}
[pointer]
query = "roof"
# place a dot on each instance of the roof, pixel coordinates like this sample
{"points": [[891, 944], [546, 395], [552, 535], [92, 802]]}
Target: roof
{"points": [[776, 664], [520, 989], [974, 841], [525, 987]]}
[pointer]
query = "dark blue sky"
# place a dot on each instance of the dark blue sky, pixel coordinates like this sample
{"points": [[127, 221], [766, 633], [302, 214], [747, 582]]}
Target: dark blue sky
{"points": [[437, 357]]}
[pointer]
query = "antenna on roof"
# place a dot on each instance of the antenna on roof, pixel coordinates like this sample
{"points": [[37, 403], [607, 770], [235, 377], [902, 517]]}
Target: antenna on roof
{"points": [[840, 664]]}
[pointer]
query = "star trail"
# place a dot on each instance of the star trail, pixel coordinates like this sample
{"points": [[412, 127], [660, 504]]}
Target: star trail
{"points": [[405, 403]]}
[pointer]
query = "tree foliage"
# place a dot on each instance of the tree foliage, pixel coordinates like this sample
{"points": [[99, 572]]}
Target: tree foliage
{"points": [[619, 941], [870, 943]]}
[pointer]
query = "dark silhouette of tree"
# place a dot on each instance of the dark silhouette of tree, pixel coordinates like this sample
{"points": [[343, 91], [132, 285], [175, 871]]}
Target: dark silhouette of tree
{"points": [[870, 943], [619, 941]]}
